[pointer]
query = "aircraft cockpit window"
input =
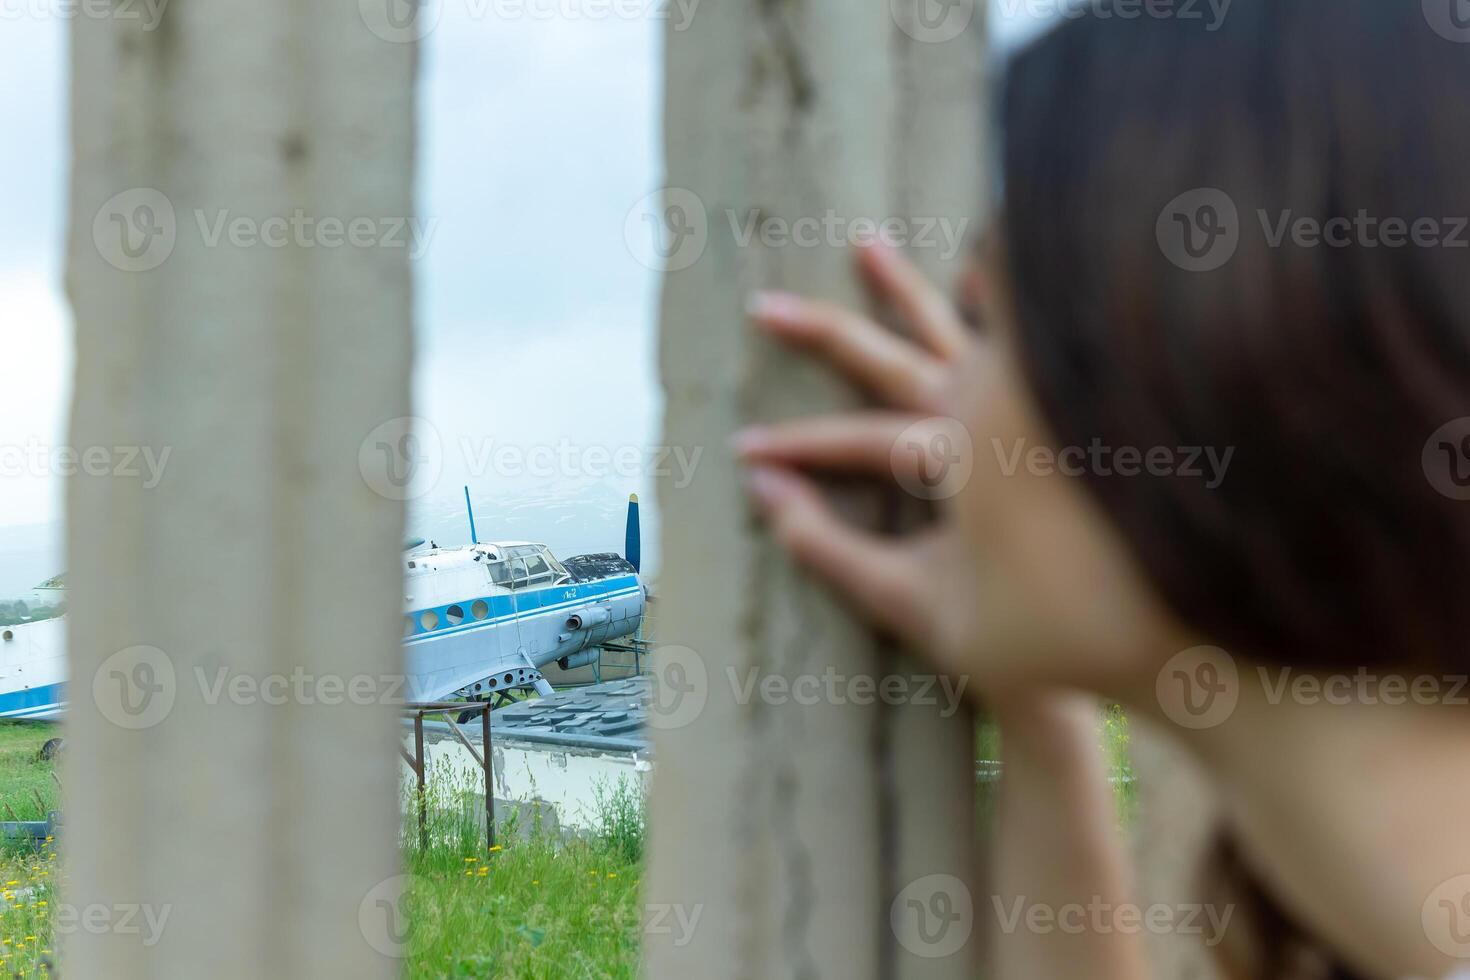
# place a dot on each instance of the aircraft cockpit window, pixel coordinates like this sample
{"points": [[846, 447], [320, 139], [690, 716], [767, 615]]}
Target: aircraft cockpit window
{"points": [[500, 573], [538, 571]]}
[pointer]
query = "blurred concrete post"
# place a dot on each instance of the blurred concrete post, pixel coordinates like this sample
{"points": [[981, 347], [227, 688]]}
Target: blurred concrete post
{"points": [[1177, 827], [790, 839], [231, 778]]}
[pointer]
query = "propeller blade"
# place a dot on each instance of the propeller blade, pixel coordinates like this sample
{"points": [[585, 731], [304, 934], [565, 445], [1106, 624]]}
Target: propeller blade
{"points": [[633, 541]]}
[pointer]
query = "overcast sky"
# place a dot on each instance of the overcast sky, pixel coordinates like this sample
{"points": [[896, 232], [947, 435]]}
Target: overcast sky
{"points": [[538, 137]]}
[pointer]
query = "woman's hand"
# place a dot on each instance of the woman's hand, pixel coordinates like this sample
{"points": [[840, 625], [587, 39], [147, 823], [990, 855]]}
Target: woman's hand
{"points": [[1021, 582], [913, 586]]}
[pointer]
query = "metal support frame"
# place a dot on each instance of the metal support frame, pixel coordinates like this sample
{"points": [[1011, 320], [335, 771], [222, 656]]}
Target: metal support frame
{"points": [[482, 756]]}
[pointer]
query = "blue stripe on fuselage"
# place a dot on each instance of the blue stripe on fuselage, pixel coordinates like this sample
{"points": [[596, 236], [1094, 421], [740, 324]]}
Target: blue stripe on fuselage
{"points": [[32, 700], [505, 608]]}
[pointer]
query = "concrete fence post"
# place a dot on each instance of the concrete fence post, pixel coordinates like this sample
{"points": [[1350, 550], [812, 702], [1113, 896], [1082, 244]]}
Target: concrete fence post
{"points": [[795, 839], [241, 183]]}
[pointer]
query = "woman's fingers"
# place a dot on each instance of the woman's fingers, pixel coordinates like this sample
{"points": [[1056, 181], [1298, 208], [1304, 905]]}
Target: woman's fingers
{"points": [[894, 369], [930, 315], [909, 448], [880, 578]]}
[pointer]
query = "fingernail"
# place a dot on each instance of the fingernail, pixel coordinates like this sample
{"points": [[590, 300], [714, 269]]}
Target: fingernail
{"points": [[750, 440], [877, 251], [774, 306], [769, 487]]}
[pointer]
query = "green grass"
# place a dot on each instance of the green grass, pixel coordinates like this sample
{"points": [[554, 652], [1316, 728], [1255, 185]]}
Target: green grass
{"points": [[1113, 735], [28, 876], [27, 785], [542, 907]]}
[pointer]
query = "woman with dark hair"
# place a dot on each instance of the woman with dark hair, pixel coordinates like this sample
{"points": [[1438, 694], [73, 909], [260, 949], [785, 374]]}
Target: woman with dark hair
{"points": [[1218, 471]]}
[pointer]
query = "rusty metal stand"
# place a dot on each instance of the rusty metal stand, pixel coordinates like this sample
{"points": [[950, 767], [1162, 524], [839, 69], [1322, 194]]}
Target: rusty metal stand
{"points": [[418, 762]]}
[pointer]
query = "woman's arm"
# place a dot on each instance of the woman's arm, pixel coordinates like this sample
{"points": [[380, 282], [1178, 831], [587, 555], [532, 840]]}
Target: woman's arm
{"points": [[1061, 874]]}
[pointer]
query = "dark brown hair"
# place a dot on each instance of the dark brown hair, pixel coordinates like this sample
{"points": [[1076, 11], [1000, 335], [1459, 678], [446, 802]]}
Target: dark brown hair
{"points": [[1149, 163], [1325, 368]]}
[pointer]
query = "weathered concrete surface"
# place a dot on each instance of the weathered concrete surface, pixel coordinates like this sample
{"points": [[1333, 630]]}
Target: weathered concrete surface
{"points": [[1174, 837], [261, 370], [794, 828]]}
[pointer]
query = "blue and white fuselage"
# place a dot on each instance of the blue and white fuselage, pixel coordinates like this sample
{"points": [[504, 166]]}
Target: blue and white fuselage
{"points": [[478, 620], [33, 669], [486, 618]]}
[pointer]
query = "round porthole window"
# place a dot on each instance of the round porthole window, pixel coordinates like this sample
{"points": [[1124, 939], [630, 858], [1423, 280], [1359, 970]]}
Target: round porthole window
{"points": [[408, 626], [480, 609], [430, 620], [454, 615]]}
